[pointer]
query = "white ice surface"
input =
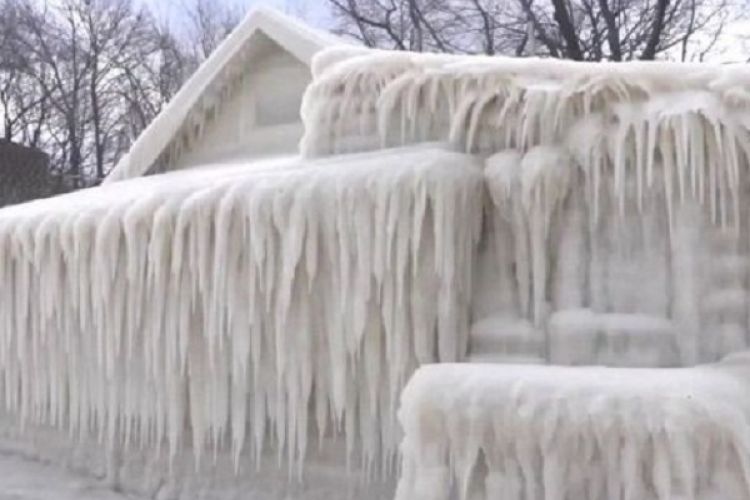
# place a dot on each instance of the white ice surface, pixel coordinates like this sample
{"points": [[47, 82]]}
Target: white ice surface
{"points": [[515, 432]]}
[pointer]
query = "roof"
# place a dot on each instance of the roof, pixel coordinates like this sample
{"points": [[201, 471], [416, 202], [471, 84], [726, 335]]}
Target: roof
{"points": [[295, 37]]}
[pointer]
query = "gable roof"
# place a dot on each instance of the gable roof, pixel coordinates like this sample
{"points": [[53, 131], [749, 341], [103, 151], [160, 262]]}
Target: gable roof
{"points": [[300, 40]]}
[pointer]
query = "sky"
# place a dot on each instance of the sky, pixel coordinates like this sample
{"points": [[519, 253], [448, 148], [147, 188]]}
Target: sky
{"points": [[314, 12], [733, 47]]}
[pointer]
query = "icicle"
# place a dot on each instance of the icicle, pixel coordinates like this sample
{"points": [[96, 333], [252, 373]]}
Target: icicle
{"points": [[545, 175]]}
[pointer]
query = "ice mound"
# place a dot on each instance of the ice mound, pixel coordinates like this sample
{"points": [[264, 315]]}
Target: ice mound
{"points": [[517, 432], [229, 307]]}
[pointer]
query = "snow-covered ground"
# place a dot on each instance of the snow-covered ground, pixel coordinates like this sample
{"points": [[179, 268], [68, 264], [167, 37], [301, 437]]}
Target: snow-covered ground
{"points": [[22, 479]]}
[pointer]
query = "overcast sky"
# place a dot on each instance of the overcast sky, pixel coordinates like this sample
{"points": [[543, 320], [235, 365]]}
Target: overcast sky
{"points": [[313, 11]]}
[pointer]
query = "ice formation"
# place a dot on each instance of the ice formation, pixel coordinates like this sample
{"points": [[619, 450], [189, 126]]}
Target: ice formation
{"points": [[480, 431], [615, 232], [233, 305], [616, 190]]}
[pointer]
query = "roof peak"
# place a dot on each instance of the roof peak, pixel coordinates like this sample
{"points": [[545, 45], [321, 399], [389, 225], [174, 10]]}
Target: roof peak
{"points": [[291, 34]]}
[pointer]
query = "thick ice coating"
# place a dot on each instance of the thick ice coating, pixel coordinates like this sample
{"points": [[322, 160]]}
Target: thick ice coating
{"points": [[629, 128], [364, 99], [515, 432], [234, 305]]}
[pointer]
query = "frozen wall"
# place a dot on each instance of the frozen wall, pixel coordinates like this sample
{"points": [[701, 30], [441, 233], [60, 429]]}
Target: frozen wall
{"points": [[616, 221], [239, 307]]}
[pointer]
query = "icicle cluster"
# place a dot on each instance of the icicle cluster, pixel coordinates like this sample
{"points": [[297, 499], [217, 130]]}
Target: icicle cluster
{"points": [[689, 134], [516, 432], [231, 307]]}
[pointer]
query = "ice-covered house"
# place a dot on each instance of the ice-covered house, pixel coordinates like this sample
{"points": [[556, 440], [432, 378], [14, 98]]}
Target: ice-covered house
{"points": [[249, 324]]}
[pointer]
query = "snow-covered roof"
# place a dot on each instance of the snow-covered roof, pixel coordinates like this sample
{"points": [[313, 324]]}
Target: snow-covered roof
{"points": [[298, 39]]}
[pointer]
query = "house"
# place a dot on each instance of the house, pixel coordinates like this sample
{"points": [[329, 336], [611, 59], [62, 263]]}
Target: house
{"points": [[243, 101], [23, 173]]}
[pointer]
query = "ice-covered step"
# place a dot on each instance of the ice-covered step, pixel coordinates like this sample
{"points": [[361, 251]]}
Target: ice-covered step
{"points": [[520, 432], [583, 337], [504, 339]]}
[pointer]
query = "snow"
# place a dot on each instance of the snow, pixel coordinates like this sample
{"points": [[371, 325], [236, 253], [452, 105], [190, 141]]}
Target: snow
{"points": [[514, 431], [242, 306]]}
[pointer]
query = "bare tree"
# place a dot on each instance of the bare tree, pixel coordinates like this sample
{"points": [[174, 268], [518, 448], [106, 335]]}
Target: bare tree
{"points": [[93, 74], [112, 31], [23, 104], [575, 29], [154, 70], [209, 22]]}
